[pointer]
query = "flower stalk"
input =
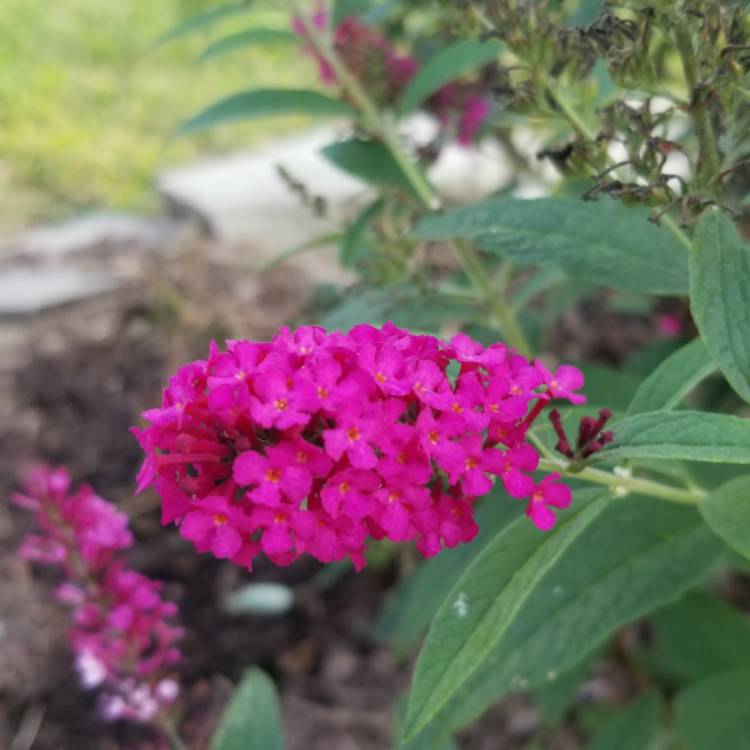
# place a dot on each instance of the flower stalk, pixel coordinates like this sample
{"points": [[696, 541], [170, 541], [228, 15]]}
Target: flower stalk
{"points": [[501, 313]]}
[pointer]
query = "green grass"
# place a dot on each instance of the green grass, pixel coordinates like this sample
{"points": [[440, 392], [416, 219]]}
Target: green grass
{"points": [[87, 105]]}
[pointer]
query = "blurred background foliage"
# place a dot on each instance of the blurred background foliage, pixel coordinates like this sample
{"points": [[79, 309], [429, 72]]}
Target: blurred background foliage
{"points": [[88, 102]]}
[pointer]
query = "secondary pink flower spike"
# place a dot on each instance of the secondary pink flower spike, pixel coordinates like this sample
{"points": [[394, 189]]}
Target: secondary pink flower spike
{"points": [[121, 633], [317, 441]]}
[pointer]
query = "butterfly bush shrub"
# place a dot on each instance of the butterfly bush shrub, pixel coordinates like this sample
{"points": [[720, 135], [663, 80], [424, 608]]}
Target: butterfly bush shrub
{"points": [[420, 406]]}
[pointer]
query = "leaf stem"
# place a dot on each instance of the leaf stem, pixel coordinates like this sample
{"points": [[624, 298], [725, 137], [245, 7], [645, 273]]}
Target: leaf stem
{"points": [[623, 483]]}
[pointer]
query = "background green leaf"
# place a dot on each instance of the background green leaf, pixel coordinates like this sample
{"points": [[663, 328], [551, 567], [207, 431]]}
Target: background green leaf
{"points": [[405, 305], [353, 246], [634, 727], [681, 435], [727, 512], [675, 377], [450, 63], [252, 721], [532, 606], [603, 242], [554, 697], [694, 638], [715, 714], [720, 296], [203, 21], [248, 38], [370, 161], [249, 105]]}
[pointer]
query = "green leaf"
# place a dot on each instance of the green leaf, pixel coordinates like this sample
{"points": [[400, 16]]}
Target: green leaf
{"points": [[715, 714], [249, 105], [634, 727], [674, 379], [447, 65], [696, 637], [252, 720], [405, 305], [411, 606], [681, 435], [248, 38], [351, 244], [727, 512], [370, 161], [603, 242], [720, 297], [203, 21], [423, 742], [586, 13], [606, 386], [344, 8], [532, 605]]}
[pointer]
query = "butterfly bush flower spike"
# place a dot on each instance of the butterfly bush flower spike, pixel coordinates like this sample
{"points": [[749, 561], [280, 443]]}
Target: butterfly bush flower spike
{"points": [[332, 439], [122, 631]]}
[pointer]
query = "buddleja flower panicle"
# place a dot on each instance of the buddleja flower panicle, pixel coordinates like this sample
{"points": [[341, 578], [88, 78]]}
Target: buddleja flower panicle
{"points": [[122, 634], [315, 442]]}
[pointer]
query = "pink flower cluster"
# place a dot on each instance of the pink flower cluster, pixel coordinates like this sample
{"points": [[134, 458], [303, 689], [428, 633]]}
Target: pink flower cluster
{"points": [[367, 54], [120, 634], [460, 109], [316, 441]]}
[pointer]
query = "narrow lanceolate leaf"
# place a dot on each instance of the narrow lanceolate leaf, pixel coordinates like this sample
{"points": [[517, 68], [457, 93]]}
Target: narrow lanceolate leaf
{"points": [[249, 105], [727, 512], [674, 379], [635, 727], [253, 719], [203, 21], [681, 435], [447, 65], [694, 638], [720, 297], [370, 161], [531, 605], [249, 38], [715, 714], [602, 242]]}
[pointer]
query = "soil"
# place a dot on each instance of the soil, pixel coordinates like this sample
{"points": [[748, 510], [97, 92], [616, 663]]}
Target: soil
{"points": [[74, 381]]}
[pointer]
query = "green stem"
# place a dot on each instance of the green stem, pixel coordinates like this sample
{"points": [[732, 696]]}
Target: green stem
{"points": [[626, 484], [709, 163], [171, 735], [570, 113], [421, 187], [493, 299]]}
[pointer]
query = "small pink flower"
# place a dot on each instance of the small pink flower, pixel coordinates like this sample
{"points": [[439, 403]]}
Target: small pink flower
{"points": [[275, 478], [277, 403], [515, 465], [563, 382], [476, 112], [550, 492], [216, 525], [670, 324]]}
